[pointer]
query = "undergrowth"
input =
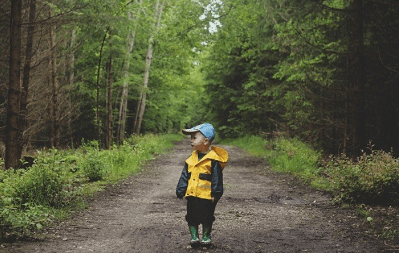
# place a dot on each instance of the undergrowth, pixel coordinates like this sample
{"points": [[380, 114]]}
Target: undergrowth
{"points": [[59, 181]]}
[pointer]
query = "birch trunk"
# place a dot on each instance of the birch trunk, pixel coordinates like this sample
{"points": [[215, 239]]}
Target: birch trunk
{"points": [[125, 87], [71, 78], [109, 104], [98, 89], [142, 102]]}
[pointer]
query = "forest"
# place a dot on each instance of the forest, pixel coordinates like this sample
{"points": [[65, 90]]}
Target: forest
{"points": [[92, 89], [325, 72]]}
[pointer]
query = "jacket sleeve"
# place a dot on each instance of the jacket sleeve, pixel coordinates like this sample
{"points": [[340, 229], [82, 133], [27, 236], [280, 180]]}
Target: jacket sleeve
{"points": [[217, 187], [183, 182]]}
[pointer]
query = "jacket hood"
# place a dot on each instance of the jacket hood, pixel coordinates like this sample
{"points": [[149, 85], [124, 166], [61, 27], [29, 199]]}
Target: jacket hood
{"points": [[220, 154], [216, 153]]}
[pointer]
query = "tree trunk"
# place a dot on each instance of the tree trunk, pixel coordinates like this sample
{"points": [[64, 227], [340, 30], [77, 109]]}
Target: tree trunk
{"points": [[124, 97], [358, 76], [122, 114], [109, 103], [142, 102], [23, 124], [13, 105], [98, 89], [71, 78], [55, 126], [137, 112]]}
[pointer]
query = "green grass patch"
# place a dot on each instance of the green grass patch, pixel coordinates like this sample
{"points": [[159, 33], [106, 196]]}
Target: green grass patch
{"points": [[254, 145], [284, 155], [60, 180]]}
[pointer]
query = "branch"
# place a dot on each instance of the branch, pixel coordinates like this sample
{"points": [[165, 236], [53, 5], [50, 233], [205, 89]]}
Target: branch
{"points": [[333, 9], [316, 46], [383, 64], [2, 10]]}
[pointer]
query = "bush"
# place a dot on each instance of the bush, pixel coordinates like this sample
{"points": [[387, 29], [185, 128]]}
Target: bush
{"points": [[29, 197], [93, 167], [58, 180], [371, 179], [39, 185]]}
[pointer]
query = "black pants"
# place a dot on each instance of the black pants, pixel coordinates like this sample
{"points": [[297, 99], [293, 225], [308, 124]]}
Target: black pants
{"points": [[200, 211]]}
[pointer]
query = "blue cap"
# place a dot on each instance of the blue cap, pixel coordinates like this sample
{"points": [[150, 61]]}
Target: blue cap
{"points": [[206, 129]]}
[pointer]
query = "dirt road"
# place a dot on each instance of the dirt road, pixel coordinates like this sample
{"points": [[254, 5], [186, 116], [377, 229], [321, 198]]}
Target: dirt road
{"points": [[260, 211]]}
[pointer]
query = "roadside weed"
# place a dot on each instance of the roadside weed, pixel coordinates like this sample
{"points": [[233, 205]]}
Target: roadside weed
{"points": [[59, 180]]}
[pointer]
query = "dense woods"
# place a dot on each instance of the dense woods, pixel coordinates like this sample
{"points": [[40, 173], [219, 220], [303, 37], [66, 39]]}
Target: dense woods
{"points": [[324, 71]]}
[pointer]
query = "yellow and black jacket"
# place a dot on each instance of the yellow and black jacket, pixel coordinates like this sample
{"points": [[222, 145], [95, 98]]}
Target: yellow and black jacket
{"points": [[202, 175]]}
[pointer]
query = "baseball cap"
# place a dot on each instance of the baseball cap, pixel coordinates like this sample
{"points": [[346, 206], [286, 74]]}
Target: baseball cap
{"points": [[206, 129]]}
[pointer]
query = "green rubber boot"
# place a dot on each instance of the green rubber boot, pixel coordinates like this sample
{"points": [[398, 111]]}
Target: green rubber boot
{"points": [[206, 239], [194, 240]]}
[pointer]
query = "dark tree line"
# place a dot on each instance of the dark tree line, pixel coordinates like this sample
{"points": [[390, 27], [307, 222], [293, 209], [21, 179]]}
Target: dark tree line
{"points": [[325, 71]]}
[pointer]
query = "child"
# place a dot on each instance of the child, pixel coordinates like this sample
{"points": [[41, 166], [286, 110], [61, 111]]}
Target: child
{"points": [[201, 182]]}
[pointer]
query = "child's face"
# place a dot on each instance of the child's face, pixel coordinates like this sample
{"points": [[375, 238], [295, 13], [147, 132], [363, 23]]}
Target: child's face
{"points": [[199, 142]]}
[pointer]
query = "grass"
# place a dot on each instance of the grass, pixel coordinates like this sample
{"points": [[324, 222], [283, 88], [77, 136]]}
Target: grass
{"points": [[284, 155], [254, 145]]}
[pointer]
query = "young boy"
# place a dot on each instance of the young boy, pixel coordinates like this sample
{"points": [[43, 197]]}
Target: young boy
{"points": [[201, 182]]}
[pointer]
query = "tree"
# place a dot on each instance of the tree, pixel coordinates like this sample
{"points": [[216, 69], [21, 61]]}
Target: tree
{"points": [[358, 78], [98, 88], [124, 97], [109, 136], [158, 9], [23, 123], [54, 110], [308, 69], [13, 105]]}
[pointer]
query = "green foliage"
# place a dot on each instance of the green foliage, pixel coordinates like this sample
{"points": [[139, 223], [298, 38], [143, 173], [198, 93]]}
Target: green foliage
{"points": [[17, 221], [29, 197], [284, 155], [92, 165], [59, 180], [129, 157], [372, 179], [41, 184], [293, 156], [286, 66], [238, 69]]}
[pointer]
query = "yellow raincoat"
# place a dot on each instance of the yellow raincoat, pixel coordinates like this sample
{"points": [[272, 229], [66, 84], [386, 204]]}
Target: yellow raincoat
{"points": [[199, 183]]}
